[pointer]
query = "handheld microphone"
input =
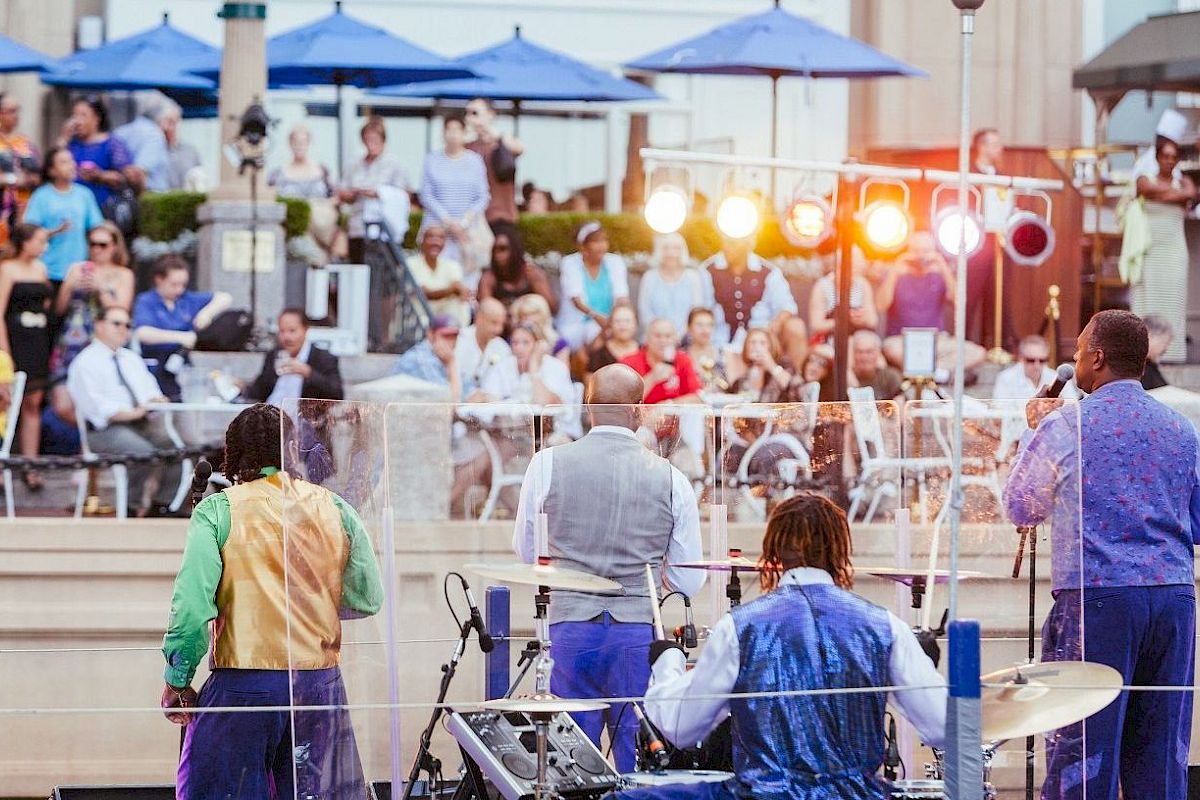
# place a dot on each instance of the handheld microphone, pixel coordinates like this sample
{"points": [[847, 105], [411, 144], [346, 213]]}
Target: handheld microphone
{"points": [[486, 643], [654, 745], [1062, 377], [891, 758], [690, 640], [200, 475]]}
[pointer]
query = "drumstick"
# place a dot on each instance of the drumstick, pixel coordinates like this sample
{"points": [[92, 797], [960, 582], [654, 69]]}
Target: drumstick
{"points": [[655, 613]]}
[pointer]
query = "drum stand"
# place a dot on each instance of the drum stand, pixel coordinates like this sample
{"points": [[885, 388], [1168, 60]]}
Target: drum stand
{"points": [[542, 667], [1029, 533]]}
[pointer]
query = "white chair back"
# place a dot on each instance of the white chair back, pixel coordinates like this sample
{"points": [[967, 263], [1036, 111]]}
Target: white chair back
{"points": [[17, 394], [867, 428]]}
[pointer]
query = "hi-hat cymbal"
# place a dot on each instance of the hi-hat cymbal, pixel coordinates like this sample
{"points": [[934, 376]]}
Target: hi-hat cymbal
{"points": [[545, 575], [907, 575], [1055, 694], [543, 704], [740, 563]]}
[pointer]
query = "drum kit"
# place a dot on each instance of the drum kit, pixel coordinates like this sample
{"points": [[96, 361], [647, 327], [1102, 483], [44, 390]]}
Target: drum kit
{"points": [[1017, 702]]}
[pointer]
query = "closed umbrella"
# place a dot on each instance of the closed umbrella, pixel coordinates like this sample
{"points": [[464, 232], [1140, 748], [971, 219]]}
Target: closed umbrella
{"points": [[339, 50], [517, 70], [774, 44]]}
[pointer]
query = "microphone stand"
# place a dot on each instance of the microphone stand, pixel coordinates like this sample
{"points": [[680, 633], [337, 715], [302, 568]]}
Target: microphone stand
{"points": [[423, 759], [1029, 533]]}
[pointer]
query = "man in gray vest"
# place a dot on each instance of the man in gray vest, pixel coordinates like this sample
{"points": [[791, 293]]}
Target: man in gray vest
{"points": [[613, 507]]}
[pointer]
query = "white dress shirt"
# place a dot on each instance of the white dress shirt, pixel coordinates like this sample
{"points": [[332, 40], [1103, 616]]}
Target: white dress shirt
{"points": [[96, 389], [474, 362], [290, 386], [686, 706], [506, 383], [1013, 384], [684, 544]]}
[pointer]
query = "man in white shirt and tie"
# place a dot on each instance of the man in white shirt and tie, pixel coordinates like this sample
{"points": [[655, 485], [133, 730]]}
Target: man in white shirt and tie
{"points": [[110, 387]]}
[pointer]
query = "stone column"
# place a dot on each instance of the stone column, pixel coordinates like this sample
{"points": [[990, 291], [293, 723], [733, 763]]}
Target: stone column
{"points": [[243, 81]]}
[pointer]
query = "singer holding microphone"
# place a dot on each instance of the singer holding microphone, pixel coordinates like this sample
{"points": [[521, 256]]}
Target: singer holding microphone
{"points": [[807, 631], [276, 604], [1135, 461], [612, 507]]}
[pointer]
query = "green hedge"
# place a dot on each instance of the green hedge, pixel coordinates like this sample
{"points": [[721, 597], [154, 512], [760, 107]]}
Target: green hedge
{"points": [[165, 214]]}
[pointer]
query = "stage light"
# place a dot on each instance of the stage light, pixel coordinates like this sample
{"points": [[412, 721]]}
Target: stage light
{"points": [[950, 226], [1028, 239], [808, 222], [885, 226], [737, 216], [666, 209]]}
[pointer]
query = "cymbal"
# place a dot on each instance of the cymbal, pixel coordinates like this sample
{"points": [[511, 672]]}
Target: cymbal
{"points": [[1054, 697], [545, 575], [741, 563], [907, 575], [543, 704]]}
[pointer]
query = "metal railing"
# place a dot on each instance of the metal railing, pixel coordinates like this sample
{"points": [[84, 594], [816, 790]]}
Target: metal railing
{"points": [[399, 312]]}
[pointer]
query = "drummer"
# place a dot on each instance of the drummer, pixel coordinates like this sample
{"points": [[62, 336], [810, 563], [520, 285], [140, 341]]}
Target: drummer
{"points": [[808, 631], [613, 507]]}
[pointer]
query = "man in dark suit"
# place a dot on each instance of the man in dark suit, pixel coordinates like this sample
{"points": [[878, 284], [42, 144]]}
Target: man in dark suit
{"points": [[296, 368]]}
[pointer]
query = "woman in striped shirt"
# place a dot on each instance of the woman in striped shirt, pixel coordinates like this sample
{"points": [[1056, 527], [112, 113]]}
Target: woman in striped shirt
{"points": [[454, 194]]}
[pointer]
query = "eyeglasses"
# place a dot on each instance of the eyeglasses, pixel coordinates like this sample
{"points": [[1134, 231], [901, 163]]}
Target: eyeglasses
{"points": [[94, 243]]}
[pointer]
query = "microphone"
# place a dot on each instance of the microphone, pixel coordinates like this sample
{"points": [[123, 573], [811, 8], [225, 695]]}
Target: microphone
{"points": [[200, 475], [1062, 377], [486, 643], [690, 640], [654, 745], [891, 758]]}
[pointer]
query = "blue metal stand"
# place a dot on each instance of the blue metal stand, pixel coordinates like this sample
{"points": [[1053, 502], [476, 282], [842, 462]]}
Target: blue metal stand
{"points": [[499, 624], [964, 744]]}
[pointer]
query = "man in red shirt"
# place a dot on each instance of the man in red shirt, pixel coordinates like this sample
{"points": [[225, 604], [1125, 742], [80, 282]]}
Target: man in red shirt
{"points": [[666, 370]]}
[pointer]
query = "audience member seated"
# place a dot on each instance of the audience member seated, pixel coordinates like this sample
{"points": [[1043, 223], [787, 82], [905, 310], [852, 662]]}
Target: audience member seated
{"points": [[594, 281], [534, 310], [822, 306], [868, 368], [439, 277], [791, 336], [743, 290], [670, 289], [296, 367], [666, 370], [618, 342], [818, 369], [1023, 379], [708, 361], [481, 346], [25, 298], [768, 378], [530, 374], [512, 275], [103, 280], [1161, 335], [914, 294], [110, 387], [433, 359], [167, 318]]}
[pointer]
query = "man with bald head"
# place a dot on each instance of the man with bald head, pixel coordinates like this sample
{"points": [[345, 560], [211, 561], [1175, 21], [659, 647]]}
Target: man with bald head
{"points": [[481, 346], [612, 508]]}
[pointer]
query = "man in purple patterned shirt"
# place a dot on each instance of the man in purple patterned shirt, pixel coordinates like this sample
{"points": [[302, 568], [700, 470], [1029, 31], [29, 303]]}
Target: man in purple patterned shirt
{"points": [[1117, 475]]}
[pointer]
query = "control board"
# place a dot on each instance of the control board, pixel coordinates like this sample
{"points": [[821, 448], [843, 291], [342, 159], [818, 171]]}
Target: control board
{"points": [[504, 745]]}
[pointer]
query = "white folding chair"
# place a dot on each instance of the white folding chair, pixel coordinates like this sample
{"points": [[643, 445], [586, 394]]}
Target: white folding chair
{"points": [[500, 478], [17, 394], [119, 472], [879, 472]]}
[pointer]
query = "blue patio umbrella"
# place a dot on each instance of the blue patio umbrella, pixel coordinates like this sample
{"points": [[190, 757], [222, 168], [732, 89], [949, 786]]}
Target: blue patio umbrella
{"points": [[517, 70], [339, 50], [16, 57], [159, 58], [774, 44]]}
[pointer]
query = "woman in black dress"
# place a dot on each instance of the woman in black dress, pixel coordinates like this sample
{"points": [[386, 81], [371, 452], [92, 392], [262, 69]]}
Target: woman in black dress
{"points": [[25, 296]]}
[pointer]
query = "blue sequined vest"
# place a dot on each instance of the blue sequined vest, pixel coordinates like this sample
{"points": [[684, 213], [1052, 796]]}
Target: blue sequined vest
{"points": [[811, 747]]}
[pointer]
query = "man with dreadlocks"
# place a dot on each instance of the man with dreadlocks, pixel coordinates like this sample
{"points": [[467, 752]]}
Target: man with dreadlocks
{"points": [[808, 631], [277, 599]]}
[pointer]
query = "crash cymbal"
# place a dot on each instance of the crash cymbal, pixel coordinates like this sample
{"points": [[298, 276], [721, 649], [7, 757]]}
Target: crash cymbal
{"points": [[1055, 694], [907, 575], [545, 575], [543, 704], [740, 563]]}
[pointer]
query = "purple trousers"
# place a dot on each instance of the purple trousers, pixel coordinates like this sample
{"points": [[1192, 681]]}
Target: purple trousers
{"points": [[271, 755], [603, 658], [1140, 742]]}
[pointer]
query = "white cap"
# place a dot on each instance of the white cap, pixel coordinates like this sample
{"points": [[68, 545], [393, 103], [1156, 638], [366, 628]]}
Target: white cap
{"points": [[1172, 125]]}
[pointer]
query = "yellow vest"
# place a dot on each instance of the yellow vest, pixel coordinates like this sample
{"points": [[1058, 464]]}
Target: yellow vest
{"points": [[281, 585]]}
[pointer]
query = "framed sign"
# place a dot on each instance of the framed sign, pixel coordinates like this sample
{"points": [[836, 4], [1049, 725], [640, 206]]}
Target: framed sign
{"points": [[235, 251], [920, 352]]}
